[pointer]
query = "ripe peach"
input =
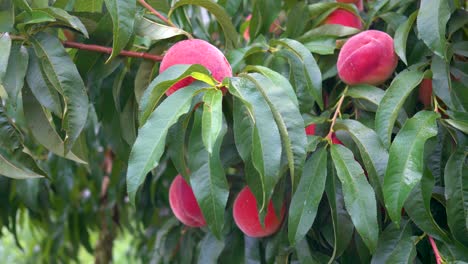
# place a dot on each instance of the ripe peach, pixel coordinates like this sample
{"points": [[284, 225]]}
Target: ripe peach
{"points": [[335, 139], [345, 18], [425, 92], [196, 51], [367, 58], [310, 129], [246, 215], [183, 203]]}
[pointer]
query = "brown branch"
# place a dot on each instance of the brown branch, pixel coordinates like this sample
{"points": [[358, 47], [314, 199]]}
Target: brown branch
{"points": [[156, 13], [337, 111], [108, 50], [436, 250]]}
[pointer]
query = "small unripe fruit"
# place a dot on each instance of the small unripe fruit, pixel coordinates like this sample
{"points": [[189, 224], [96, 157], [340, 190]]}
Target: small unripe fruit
{"points": [[196, 51], [246, 215], [425, 92], [367, 58], [183, 203], [345, 18]]}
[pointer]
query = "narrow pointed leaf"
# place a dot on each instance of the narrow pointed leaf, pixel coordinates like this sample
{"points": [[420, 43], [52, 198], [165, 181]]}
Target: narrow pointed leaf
{"points": [[389, 241], [5, 49], [432, 19], [359, 196], [212, 120], [122, 13], [405, 164], [373, 153], [401, 37], [63, 75], [306, 199], [393, 101], [151, 139], [14, 77], [155, 31], [68, 19], [210, 249], [15, 170], [456, 194]]}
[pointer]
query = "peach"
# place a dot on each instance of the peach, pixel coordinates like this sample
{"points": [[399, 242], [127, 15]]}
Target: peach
{"points": [[425, 92], [367, 58], [246, 215], [335, 139], [275, 28], [196, 51], [183, 203], [345, 18], [310, 129]]}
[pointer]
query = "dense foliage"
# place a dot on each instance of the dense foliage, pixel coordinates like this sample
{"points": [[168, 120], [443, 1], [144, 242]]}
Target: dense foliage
{"points": [[90, 143]]}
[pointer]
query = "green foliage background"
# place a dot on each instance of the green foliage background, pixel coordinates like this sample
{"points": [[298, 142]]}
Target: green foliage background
{"points": [[89, 143]]}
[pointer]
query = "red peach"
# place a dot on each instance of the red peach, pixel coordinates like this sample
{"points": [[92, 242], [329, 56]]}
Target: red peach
{"points": [[335, 139], [310, 129], [367, 58], [196, 51], [183, 203], [345, 18], [246, 215], [425, 92]]}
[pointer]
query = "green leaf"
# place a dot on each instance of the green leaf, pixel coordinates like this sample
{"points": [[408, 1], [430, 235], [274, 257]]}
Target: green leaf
{"points": [[208, 179], [289, 122], [212, 120], [458, 124], [16, 70], [310, 69], [401, 36], [42, 90], [441, 81], [210, 249], [266, 141], [456, 194], [391, 239], [15, 170], [40, 126], [10, 137], [62, 73], [306, 199], [230, 32], [161, 84], [155, 31], [359, 196], [418, 208], [123, 18], [69, 20], [343, 228], [5, 48], [432, 19], [405, 164], [321, 45], [405, 251], [89, 6], [150, 142], [393, 101], [373, 153]]}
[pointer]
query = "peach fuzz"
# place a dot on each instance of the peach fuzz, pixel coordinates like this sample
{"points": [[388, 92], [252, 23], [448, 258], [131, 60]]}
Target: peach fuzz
{"points": [[345, 18], [246, 215], [183, 203], [425, 92], [367, 58], [196, 51]]}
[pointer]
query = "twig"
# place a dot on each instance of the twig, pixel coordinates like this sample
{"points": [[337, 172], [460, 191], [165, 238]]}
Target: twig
{"points": [[108, 50], [337, 112], [436, 250], [156, 13]]}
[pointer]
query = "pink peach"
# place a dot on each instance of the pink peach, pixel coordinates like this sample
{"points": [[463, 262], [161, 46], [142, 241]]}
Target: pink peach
{"points": [[367, 58], [246, 215], [196, 51], [310, 129], [183, 203], [345, 18]]}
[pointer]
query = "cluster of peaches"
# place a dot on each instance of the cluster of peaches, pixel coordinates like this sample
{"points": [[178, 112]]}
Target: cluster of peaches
{"points": [[365, 58]]}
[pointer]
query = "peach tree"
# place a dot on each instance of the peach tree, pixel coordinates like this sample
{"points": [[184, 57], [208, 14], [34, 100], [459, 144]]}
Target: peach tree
{"points": [[235, 131]]}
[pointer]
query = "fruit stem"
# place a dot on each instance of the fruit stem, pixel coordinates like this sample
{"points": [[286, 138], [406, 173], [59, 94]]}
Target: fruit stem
{"points": [[439, 259], [156, 13], [335, 115]]}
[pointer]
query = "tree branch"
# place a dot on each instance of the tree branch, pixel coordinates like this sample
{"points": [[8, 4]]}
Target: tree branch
{"points": [[337, 111], [156, 13], [436, 250], [108, 50]]}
